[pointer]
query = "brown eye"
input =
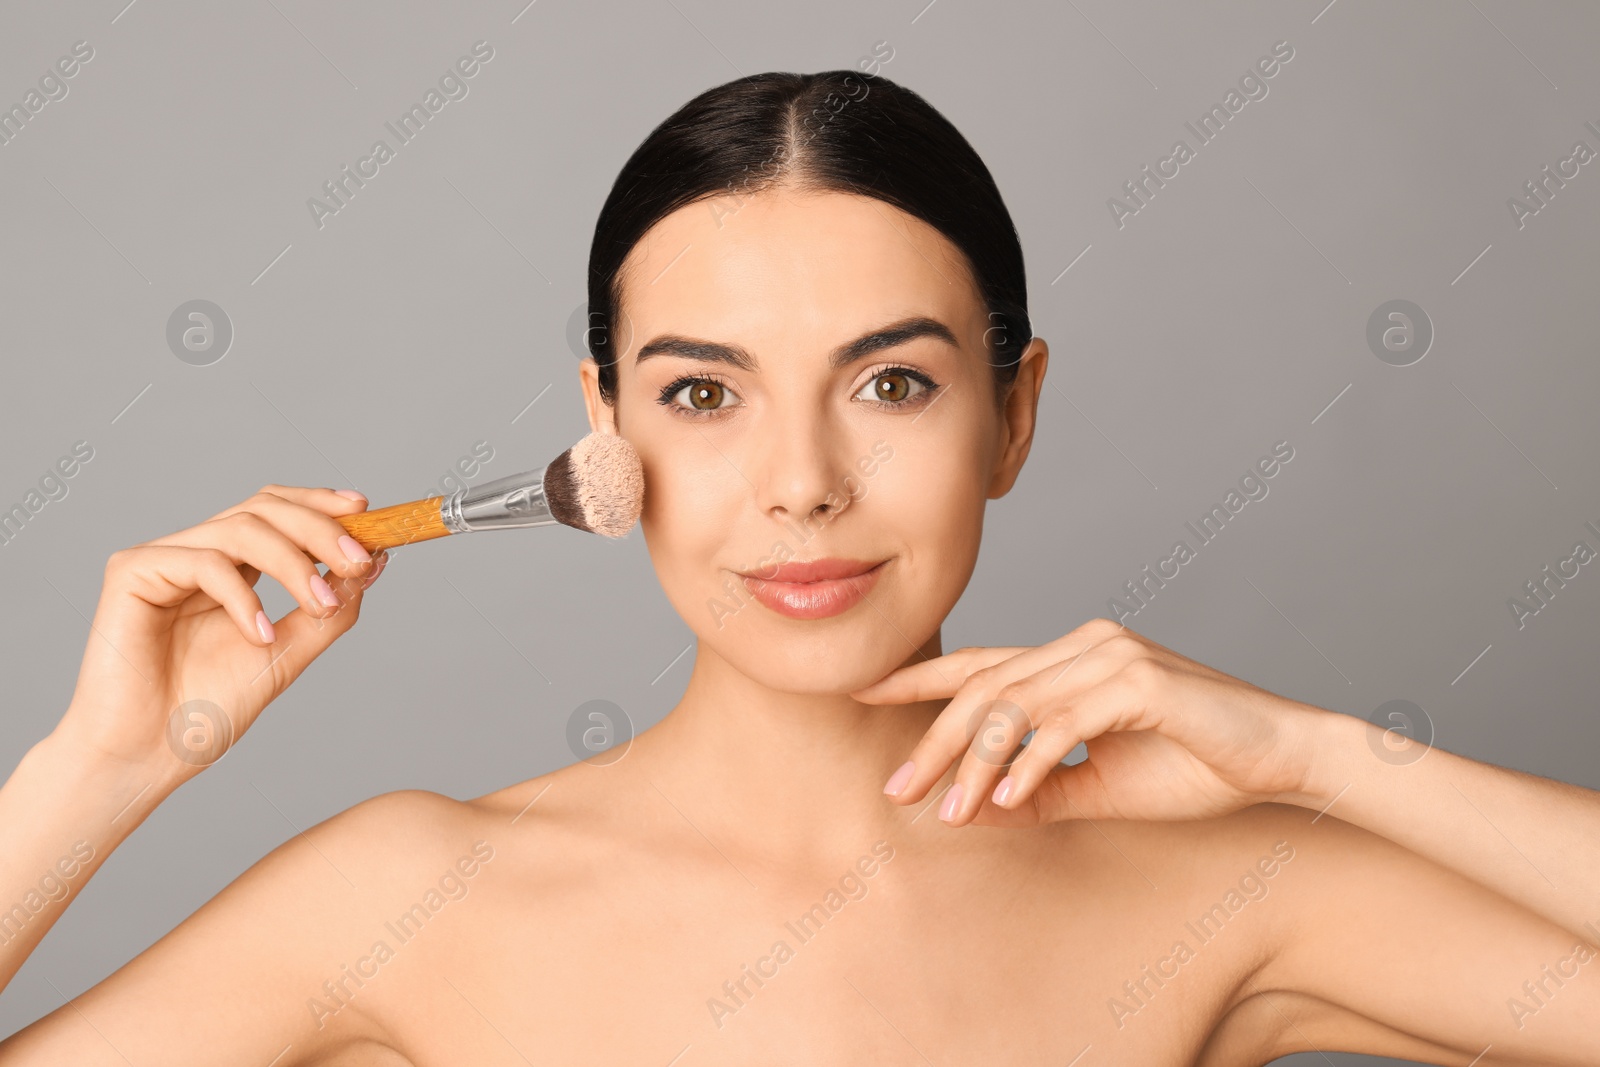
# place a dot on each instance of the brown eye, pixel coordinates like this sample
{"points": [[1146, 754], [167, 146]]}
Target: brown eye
{"points": [[699, 396], [705, 396], [890, 387]]}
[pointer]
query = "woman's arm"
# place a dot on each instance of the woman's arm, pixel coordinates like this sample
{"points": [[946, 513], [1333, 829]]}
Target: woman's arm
{"points": [[280, 966], [62, 812], [1363, 945], [1532, 840], [1450, 899], [1170, 738], [180, 661]]}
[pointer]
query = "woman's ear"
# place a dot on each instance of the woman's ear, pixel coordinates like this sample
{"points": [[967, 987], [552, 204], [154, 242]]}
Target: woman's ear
{"points": [[1018, 417], [602, 416]]}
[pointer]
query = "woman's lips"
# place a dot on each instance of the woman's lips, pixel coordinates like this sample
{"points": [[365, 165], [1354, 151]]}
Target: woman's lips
{"points": [[816, 589]]}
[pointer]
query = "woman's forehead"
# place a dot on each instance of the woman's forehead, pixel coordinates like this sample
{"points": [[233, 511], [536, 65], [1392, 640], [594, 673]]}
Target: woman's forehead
{"points": [[788, 266]]}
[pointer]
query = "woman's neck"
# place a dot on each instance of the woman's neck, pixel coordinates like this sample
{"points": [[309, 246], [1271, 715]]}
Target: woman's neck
{"points": [[783, 774]]}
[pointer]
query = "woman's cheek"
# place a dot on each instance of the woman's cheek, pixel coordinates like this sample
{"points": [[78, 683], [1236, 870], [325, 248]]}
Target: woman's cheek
{"points": [[687, 517], [935, 504], [936, 480], [684, 485]]}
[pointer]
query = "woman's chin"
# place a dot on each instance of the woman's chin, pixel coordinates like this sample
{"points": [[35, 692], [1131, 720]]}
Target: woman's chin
{"points": [[826, 662], [809, 683]]}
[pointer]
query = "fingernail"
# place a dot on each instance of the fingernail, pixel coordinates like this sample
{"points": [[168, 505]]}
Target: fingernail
{"points": [[351, 493], [898, 780], [324, 592], [352, 549], [1003, 790], [264, 626], [952, 801], [383, 561]]}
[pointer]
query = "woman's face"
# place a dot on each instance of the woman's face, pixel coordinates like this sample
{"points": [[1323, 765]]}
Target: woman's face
{"points": [[805, 377]]}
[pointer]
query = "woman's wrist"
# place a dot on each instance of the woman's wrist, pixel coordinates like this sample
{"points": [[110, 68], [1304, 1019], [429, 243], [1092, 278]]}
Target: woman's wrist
{"points": [[88, 779], [1324, 745]]}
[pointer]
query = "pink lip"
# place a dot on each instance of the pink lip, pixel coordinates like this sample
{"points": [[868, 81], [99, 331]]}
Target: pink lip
{"points": [[816, 589]]}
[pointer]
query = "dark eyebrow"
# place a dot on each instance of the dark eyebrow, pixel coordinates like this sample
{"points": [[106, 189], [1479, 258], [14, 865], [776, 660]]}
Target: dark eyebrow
{"points": [[897, 333]]}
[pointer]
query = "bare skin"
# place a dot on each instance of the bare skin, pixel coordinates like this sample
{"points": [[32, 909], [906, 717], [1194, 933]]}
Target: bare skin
{"points": [[616, 910]]}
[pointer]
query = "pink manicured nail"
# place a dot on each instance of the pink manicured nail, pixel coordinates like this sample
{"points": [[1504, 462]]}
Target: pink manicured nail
{"points": [[264, 626], [898, 780], [952, 801], [323, 591], [351, 493], [382, 563], [352, 550], [1003, 790]]}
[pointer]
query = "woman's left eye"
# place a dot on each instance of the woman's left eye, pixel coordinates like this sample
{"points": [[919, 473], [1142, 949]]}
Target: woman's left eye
{"points": [[894, 386]]}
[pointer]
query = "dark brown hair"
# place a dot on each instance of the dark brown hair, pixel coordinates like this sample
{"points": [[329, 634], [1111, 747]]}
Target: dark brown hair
{"points": [[836, 131]]}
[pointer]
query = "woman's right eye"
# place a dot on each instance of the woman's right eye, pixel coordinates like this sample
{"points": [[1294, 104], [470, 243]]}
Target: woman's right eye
{"points": [[699, 396]]}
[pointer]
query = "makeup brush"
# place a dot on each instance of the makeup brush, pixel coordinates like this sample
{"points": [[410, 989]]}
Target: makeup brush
{"points": [[597, 486]]}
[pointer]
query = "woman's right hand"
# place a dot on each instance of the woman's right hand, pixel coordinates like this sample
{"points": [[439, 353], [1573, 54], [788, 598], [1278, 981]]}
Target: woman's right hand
{"points": [[181, 657]]}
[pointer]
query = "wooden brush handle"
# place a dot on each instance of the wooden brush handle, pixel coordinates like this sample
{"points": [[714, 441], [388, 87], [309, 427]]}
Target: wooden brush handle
{"points": [[396, 525]]}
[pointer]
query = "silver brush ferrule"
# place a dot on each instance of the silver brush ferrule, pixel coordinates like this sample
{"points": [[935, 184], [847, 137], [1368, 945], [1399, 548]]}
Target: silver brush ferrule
{"points": [[515, 500]]}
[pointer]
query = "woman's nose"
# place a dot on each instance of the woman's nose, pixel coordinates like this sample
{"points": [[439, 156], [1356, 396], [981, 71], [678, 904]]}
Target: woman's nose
{"points": [[798, 472]]}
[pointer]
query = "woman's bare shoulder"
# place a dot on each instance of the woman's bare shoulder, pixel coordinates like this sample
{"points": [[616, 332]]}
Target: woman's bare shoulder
{"points": [[582, 807], [285, 932], [532, 837], [407, 826], [1194, 851]]}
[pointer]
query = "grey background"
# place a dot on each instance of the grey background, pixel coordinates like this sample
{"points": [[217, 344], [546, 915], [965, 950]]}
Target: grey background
{"points": [[1228, 315]]}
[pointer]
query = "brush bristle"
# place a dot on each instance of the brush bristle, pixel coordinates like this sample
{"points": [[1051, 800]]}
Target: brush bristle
{"points": [[596, 485]]}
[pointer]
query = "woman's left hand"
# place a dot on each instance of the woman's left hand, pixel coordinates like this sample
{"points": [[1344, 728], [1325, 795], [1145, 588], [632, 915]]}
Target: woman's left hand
{"points": [[1168, 738]]}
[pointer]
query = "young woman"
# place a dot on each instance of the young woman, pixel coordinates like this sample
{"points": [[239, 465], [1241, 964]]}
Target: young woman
{"points": [[832, 850]]}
